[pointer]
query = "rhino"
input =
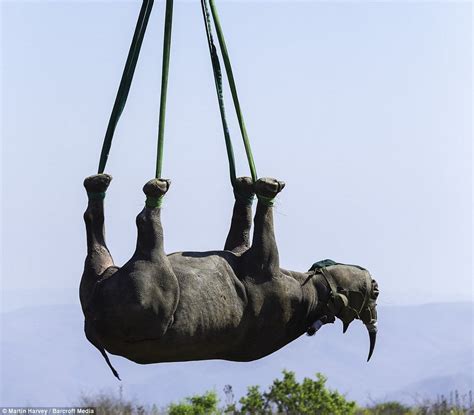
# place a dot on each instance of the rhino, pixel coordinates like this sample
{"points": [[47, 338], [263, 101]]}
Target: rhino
{"points": [[234, 304]]}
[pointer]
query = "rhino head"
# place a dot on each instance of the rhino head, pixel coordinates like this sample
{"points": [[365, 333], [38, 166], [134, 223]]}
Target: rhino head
{"points": [[352, 296]]}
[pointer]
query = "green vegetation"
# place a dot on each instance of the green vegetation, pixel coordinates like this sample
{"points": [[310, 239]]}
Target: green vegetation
{"points": [[284, 396], [197, 405], [287, 396]]}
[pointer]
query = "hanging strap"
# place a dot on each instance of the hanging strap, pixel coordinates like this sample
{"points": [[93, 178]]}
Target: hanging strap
{"points": [[126, 81], [218, 81], [216, 69], [164, 85]]}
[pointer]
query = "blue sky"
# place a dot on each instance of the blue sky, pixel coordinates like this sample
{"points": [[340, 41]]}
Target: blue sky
{"points": [[363, 108]]}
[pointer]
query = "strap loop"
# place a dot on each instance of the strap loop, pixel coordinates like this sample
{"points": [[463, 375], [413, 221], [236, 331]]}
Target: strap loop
{"points": [[246, 200], [96, 195], [267, 201], [154, 202]]}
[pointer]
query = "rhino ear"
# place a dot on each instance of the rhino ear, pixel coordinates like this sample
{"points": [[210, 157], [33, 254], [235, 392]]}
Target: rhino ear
{"points": [[340, 301], [345, 326]]}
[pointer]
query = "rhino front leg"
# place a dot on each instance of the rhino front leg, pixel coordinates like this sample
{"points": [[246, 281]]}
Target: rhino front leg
{"points": [[98, 256], [262, 258], [238, 239]]}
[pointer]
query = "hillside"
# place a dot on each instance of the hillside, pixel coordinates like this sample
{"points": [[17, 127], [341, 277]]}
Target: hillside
{"points": [[422, 351]]}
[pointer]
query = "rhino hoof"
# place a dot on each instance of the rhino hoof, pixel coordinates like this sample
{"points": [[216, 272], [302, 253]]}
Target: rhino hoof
{"points": [[268, 187], [97, 183], [156, 187]]}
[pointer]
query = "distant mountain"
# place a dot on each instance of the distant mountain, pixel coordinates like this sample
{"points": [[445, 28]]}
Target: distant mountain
{"points": [[422, 351], [436, 386]]}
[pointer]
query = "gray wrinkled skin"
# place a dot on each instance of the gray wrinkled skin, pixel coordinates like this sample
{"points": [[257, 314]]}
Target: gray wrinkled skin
{"points": [[236, 304]]}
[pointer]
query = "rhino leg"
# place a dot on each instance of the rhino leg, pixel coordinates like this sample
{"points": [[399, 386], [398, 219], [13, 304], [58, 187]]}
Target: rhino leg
{"points": [[155, 282], [150, 244], [98, 256], [238, 239], [262, 257]]}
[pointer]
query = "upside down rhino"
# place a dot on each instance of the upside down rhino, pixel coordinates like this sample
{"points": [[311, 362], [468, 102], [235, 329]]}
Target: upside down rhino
{"points": [[236, 304]]}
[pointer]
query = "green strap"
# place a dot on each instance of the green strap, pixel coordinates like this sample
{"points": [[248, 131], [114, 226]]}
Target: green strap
{"points": [[164, 85], [216, 68], [230, 77], [246, 200], [126, 80], [154, 202], [96, 195], [267, 201], [233, 89], [328, 277]]}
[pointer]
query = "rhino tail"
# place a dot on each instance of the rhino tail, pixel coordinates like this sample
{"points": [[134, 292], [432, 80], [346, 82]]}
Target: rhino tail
{"points": [[92, 338]]}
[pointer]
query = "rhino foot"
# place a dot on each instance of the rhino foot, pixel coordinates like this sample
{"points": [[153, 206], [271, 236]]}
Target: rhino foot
{"points": [[97, 183], [268, 187], [156, 188]]}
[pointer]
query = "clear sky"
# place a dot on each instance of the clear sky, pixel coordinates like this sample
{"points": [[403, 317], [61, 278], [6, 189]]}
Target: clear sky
{"points": [[363, 108]]}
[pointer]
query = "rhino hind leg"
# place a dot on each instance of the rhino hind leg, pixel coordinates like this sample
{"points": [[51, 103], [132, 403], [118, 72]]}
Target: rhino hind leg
{"points": [[98, 258], [238, 238], [262, 258]]}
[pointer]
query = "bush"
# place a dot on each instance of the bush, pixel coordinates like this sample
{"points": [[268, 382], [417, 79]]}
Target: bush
{"points": [[287, 396], [111, 404], [106, 404], [386, 408], [253, 402], [196, 405]]}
